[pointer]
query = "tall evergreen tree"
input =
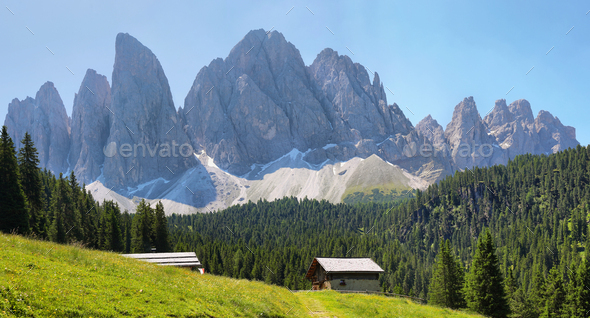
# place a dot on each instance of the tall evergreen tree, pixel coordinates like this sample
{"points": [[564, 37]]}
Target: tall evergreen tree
{"points": [[446, 284], [57, 231], [161, 229], [484, 288], [127, 222], [113, 240], [554, 295], [62, 203], [14, 213], [142, 228], [578, 296], [30, 179]]}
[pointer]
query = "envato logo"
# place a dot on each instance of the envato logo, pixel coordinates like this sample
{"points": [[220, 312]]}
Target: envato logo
{"points": [[161, 150], [464, 150]]}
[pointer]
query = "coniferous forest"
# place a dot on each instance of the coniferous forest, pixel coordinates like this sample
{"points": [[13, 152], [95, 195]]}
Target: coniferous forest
{"points": [[37, 203], [517, 238], [503, 241]]}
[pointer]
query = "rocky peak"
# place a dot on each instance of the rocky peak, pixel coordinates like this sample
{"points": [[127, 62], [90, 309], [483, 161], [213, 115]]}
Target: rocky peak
{"points": [[90, 126], [432, 130], [499, 115], [46, 120], [467, 136], [521, 110], [144, 118], [348, 90], [553, 134]]}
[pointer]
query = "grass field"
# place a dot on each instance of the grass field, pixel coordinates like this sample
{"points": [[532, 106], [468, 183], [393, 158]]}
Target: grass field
{"points": [[41, 279], [334, 304]]}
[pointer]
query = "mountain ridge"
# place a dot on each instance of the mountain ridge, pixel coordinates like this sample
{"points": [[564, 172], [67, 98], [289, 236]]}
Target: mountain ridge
{"points": [[250, 109]]}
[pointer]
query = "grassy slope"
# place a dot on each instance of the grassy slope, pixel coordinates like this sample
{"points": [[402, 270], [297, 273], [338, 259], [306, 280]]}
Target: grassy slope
{"points": [[334, 304], [376, 181], [48, 280], [41, 279]]}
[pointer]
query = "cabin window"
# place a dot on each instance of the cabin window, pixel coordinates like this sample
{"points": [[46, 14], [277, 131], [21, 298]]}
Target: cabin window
{"points": [[342, 283]]}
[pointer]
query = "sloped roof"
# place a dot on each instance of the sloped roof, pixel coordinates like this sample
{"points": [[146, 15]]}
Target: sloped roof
{"points": [[344, 265], [185, 259]]}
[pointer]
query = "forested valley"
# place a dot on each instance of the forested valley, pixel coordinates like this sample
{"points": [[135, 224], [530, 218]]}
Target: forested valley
{"points": [[535, 209], [504, 239]]}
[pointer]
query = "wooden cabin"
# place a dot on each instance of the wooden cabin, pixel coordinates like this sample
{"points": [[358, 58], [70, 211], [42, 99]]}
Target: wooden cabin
{"points": [[344, 273], [185, 259]]}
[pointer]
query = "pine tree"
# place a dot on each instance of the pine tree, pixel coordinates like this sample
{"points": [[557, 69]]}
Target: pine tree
{"points": [[30, 179], [536, 296], [14, 213], [578, 297], [78, 231], [127, 231], [113, 240], [57, 231], [142, 228], [554, 295], [89, 214], [161, 229], [62, 203], [447, 279], [484, 288]]}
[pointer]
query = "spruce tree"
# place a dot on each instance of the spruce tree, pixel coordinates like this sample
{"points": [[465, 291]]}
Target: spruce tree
{"points": [[62, 203], [57, 231], [127, 231], [14, 213], [161, 229], [536, 296], [77, 197], [554, 295], [578, 296], [484, 288], [447, 279], [142, 228], [30, 179], [113, 240]]}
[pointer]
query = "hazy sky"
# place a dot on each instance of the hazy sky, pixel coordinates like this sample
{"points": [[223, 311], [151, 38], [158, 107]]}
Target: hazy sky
{"points": [[430, 54]]}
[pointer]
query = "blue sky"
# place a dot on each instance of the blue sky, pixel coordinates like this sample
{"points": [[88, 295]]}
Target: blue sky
{"points": [[430, 54]]}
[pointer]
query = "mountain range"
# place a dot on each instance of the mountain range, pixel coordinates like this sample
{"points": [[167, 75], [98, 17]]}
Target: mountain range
{"points": [[260, 124]]}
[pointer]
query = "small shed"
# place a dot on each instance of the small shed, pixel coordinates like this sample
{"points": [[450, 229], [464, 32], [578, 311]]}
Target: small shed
{"points": [[185, 259], [344, 273]]}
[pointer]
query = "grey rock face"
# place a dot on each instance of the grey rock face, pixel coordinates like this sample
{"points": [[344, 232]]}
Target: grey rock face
{"points": [[262, 101], [468, 138], [144, 125], [553, 134], [46, 120], [90, 126], [432, 130], [255, 105], [518, 132], [512, 126]]}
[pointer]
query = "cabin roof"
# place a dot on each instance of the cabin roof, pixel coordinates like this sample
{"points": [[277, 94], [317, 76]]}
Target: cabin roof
{"points": [[344, 265], [185, 259]]}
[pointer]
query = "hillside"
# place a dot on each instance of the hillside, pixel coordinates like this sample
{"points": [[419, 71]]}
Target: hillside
{"points": [[41, 279], [536, 207], [334, 304]]}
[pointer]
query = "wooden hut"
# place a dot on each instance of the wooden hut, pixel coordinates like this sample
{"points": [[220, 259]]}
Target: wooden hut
{"points": [[345, 273]]}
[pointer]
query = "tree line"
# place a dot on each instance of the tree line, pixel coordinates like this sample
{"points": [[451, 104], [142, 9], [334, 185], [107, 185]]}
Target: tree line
{"points": [[35, 202]]}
